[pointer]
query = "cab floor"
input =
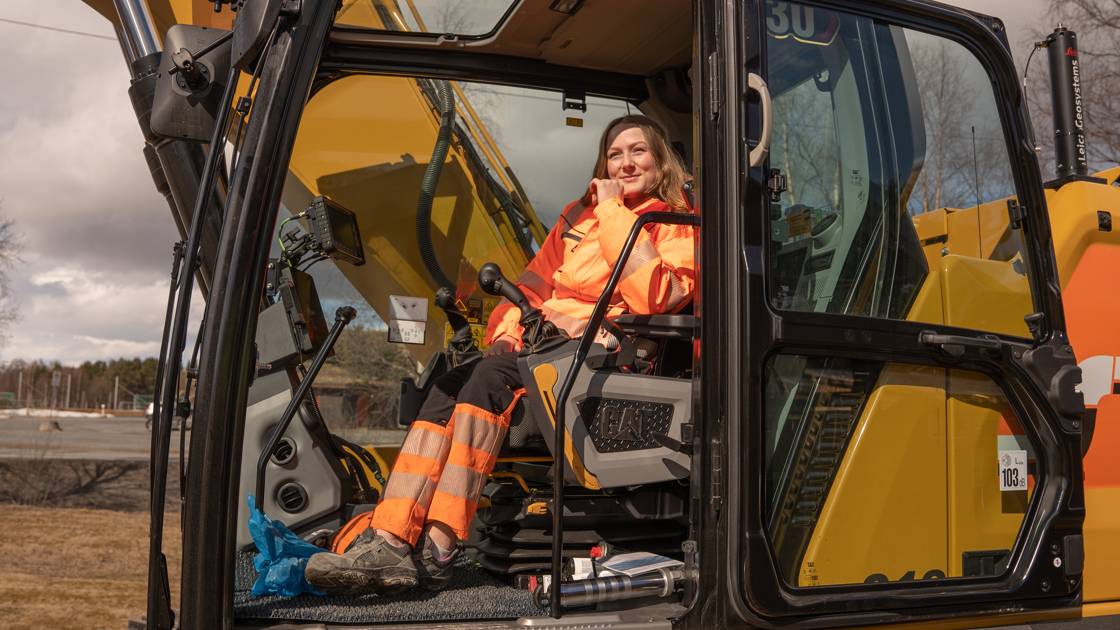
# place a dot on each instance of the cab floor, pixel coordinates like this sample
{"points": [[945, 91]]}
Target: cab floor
{"points": [[473, 594]]}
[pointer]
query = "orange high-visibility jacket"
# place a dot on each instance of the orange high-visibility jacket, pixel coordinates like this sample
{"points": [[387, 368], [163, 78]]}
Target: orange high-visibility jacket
{"points": [[573, 266]]}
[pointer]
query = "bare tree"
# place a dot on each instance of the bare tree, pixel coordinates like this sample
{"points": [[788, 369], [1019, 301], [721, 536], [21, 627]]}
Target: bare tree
{"points": [[947, 100], [966, 156], [806, 148], [374, 368], [11, 245]]}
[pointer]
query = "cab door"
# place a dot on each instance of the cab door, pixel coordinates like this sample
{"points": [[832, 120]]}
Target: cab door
{"points": [[906, 443]]}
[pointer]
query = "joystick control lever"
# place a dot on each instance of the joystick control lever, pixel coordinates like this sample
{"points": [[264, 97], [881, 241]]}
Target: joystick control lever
{"points": [[461, 347], [535, 328], [492, 281]]}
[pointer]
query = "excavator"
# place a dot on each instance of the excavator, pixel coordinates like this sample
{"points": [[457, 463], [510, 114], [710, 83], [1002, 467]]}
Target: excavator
{"points": [[891, 402]]}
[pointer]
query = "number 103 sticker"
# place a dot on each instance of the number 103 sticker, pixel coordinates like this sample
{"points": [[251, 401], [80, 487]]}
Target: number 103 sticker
{"points": [[1012, 470]]}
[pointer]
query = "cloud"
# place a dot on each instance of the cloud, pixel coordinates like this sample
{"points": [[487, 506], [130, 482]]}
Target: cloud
{"points": [[73, 176], [72, 314]]}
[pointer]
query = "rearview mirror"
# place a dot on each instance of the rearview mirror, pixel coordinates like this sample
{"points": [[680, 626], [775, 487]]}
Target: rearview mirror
{"points": [[192, 78]]}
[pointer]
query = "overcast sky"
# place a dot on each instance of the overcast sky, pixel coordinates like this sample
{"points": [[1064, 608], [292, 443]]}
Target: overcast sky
{"points": [[73, 176]]}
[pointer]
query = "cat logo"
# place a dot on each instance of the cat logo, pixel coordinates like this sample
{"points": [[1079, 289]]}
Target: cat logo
{"points": [[621, 424]]}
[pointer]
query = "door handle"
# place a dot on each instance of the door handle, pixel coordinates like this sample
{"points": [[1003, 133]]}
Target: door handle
{"points": [[759, 153], [955, 345]]}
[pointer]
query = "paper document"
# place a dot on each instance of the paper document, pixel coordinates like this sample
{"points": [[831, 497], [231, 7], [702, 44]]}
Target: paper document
{"points": [[637, 563]]}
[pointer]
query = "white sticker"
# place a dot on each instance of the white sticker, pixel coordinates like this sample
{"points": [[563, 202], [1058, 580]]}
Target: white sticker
{"points": [[401, 331], [582, 568], [414, 309], [1012, 470]]}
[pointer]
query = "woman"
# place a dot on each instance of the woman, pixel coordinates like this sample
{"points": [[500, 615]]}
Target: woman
{"points": [[438, 476]]}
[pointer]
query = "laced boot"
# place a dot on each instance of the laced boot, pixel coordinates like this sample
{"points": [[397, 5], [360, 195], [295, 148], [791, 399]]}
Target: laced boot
{"points": [[370, 563], [434, 575]]}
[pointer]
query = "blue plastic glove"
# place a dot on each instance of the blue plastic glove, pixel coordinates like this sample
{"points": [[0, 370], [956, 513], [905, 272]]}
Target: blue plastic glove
{"points": [[282, 558]]}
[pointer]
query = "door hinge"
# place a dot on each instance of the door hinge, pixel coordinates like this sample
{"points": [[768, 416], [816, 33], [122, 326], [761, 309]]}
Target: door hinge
{"points": [[717, 475], [714, 84], [776, 184], [1016, 213]]}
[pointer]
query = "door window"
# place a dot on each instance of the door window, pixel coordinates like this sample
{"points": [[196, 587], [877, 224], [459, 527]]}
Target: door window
{"points": [[897, 176], [882, 471]]}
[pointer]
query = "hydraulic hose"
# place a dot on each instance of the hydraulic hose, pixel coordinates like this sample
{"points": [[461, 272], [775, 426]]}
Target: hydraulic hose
{"points": [[446, 107]]}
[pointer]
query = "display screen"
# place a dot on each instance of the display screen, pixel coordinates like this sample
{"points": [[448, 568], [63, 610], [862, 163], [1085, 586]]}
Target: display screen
{"points": [[344, 229], [335, 231]]}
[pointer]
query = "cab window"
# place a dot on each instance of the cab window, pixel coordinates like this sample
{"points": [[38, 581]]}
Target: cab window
{"points": [[897, 176], [885, 472]]}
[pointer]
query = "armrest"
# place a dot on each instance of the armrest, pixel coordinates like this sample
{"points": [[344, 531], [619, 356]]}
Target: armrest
{"points": [[660, 325]]}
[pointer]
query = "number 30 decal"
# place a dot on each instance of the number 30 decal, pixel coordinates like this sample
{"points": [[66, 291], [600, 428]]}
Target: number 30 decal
{"points": [[804, 24]]}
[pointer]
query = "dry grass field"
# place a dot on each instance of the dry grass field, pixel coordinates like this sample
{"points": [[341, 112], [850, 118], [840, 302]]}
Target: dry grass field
{"points": [[77, 568]]}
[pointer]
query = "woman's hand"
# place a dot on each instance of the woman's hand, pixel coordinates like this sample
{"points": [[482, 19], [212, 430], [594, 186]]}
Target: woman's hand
{"points": [[502, 345], [603, 189]]}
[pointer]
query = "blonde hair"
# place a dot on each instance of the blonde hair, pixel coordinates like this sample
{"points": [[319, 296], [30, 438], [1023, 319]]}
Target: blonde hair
{"points": [[671, 171]]}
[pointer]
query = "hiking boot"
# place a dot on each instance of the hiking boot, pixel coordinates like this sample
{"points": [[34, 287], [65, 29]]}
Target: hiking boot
{"points": [[370, 563], [434, 574]]}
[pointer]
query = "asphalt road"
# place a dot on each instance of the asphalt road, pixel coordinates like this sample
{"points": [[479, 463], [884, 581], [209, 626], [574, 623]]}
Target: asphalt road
{"points": [[80, 438]]}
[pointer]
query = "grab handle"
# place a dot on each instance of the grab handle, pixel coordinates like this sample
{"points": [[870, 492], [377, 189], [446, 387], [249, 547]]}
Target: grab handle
{"points": [[759, 153]]}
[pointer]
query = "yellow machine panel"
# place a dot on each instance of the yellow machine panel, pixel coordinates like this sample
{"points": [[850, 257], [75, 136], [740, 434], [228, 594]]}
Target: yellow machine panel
{"points": [[973, 245], [373, 165], [918, 493], [885, 515]]}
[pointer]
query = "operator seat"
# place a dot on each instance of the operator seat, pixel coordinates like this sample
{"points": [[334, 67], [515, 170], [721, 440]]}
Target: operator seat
{"points": [[618, 409]]}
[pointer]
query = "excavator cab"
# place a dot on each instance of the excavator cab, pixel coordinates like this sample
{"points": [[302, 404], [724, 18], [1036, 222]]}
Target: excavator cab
{"points": [[857, 422]]}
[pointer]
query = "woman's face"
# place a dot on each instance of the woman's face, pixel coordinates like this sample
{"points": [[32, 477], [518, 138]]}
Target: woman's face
{"points": [[630, 161]]}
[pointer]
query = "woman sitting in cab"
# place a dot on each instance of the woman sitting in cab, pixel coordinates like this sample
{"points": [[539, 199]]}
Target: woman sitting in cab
{"points": [[432, 493]]}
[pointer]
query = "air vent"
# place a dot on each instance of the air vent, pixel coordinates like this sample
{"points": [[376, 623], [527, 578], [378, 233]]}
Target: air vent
{"points": [[291, 497], [284, 452]]}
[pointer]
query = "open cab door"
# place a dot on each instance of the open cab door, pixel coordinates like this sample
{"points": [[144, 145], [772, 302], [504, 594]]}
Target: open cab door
{"points": [[903, 437]]}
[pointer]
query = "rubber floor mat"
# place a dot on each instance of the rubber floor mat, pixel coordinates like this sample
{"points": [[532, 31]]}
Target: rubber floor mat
{"points": [[472, 594]]}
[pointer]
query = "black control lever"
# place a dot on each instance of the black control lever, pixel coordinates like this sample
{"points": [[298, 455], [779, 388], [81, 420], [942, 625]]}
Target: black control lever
{"points": [[461, 346], [536, 329], [344, 315], [492, 281]]}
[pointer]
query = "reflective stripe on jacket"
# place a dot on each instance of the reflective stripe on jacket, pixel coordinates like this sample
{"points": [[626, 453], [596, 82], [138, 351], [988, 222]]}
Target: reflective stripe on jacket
{"points": [[568, 275]]}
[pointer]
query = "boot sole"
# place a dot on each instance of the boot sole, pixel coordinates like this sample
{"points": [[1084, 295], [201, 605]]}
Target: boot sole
{"points": [[385, 581]]}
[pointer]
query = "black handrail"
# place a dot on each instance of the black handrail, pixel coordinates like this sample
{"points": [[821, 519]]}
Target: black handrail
{"points": [[342, 316], [585, 342], [159, 617]]}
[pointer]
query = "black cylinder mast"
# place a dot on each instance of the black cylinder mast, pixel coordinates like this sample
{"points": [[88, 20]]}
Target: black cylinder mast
{"points": [[1069, 106]]}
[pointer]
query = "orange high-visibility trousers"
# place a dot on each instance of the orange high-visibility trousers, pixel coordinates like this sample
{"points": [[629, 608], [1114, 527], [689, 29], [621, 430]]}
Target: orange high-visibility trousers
{"points": [[450, 449]]}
